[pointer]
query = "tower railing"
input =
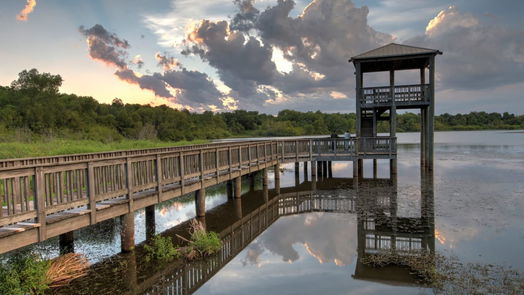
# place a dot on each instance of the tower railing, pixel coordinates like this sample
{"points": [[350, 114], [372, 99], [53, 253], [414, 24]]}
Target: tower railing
{"points": [[403, 95]]}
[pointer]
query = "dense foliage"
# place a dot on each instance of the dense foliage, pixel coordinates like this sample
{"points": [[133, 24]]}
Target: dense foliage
{"points": [[24, 274], [32, 106]]}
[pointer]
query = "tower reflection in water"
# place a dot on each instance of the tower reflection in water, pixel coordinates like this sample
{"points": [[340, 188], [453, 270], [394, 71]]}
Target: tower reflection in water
{"points": [[380, 228]]}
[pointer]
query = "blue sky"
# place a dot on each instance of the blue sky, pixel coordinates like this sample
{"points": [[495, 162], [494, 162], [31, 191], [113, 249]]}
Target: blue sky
{"points": [[264, 55]]}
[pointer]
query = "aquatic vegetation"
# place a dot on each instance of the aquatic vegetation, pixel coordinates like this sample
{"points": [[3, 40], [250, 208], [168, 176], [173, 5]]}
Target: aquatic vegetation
{"points": [[448, 275], [202, 243], [29, 274], [161, 248]]}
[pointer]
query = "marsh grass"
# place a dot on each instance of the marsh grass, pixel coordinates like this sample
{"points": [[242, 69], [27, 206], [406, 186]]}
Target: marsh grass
{"points": [[448, 275], [53, 147], [161, 249]]}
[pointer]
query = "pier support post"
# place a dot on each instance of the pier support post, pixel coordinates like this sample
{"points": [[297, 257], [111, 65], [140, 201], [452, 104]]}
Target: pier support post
{"points": [[375, 169], [150, 222], [360, 168], [305, 171], [229, 189], [202, 221], [264, 178], [200, 202], [238, 187], [355, 174], [325, 169], [330, 169], [313, 170], [238, 208], [127, 232], [392, 168], [252, 181], [131, 271], [297, 173], [277, 178], [66, 242]]}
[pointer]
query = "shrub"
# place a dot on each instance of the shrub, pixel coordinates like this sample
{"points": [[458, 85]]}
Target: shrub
{"points": [[24, 274], [161, 248]]}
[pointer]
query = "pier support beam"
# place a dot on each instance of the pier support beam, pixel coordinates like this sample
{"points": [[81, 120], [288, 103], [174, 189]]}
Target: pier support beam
{"points": [[229, 189], [150, 222], [200, 202], [325, 169], [313, 170], [297, 173], [305, 171], [375, 169], [238, 208], [355, 174], [360, 170], [66, 243], [127, 232], [330, 169], [277, 178], [238, 187], [392, 168], [264, 178], [252, 181]]}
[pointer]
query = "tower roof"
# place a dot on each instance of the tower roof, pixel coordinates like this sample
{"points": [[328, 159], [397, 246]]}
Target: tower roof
{"points": [[394, 50]]}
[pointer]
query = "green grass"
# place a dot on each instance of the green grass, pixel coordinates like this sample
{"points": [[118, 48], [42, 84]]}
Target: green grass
{"points": [[9, 150]]}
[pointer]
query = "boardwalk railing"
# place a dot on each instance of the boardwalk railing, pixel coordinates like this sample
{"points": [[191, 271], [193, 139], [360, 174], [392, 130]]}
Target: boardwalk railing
{"points": [[403, 95], [37, 192]]}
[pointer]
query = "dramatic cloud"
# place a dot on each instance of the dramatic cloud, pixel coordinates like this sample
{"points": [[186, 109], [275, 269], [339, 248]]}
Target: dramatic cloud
{"points": [[316, 44], [192, 89], [106, 47], [29, 6], [477, 54]]}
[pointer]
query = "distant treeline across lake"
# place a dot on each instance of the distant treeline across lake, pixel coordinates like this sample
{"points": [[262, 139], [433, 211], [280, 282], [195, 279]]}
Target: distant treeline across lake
{"points": [[33, 107]]}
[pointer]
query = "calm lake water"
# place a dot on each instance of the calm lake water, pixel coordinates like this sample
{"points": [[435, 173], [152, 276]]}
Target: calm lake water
{"points": [[312, 238]]}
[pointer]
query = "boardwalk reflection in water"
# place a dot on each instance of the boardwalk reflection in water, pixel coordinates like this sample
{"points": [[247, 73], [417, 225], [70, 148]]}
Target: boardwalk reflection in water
{"points": [[334, 220]]}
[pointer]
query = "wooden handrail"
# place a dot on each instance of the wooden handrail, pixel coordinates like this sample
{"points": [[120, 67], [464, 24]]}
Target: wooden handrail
{"points": [[36, 189]]}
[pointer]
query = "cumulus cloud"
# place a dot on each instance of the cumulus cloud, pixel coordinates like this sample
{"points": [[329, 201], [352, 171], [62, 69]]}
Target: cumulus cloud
{"points": [[317, 44], [477, 54], [106, 47], [28, 8], [192, 89]]}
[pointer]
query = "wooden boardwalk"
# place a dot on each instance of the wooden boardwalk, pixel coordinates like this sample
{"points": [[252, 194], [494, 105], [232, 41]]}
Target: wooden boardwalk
{"points": [[50, 196]]}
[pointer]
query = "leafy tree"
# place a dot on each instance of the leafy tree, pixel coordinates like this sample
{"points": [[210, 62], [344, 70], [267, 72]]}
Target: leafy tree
{"points": [[34, 82]]}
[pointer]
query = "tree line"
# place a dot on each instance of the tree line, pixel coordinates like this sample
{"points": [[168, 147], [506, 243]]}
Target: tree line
{"points": [[32, 106]]}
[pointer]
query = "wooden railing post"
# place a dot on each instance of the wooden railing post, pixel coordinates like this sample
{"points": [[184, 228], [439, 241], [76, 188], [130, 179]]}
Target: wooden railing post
{"points": [[91, 191], [201, 162], [129, 183], [217, 162], [229, 160], [311, 150], [159, 177], [296, 150], [249, 155], [240, 157], [40, 203], [182, 172], [283, 150]]}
